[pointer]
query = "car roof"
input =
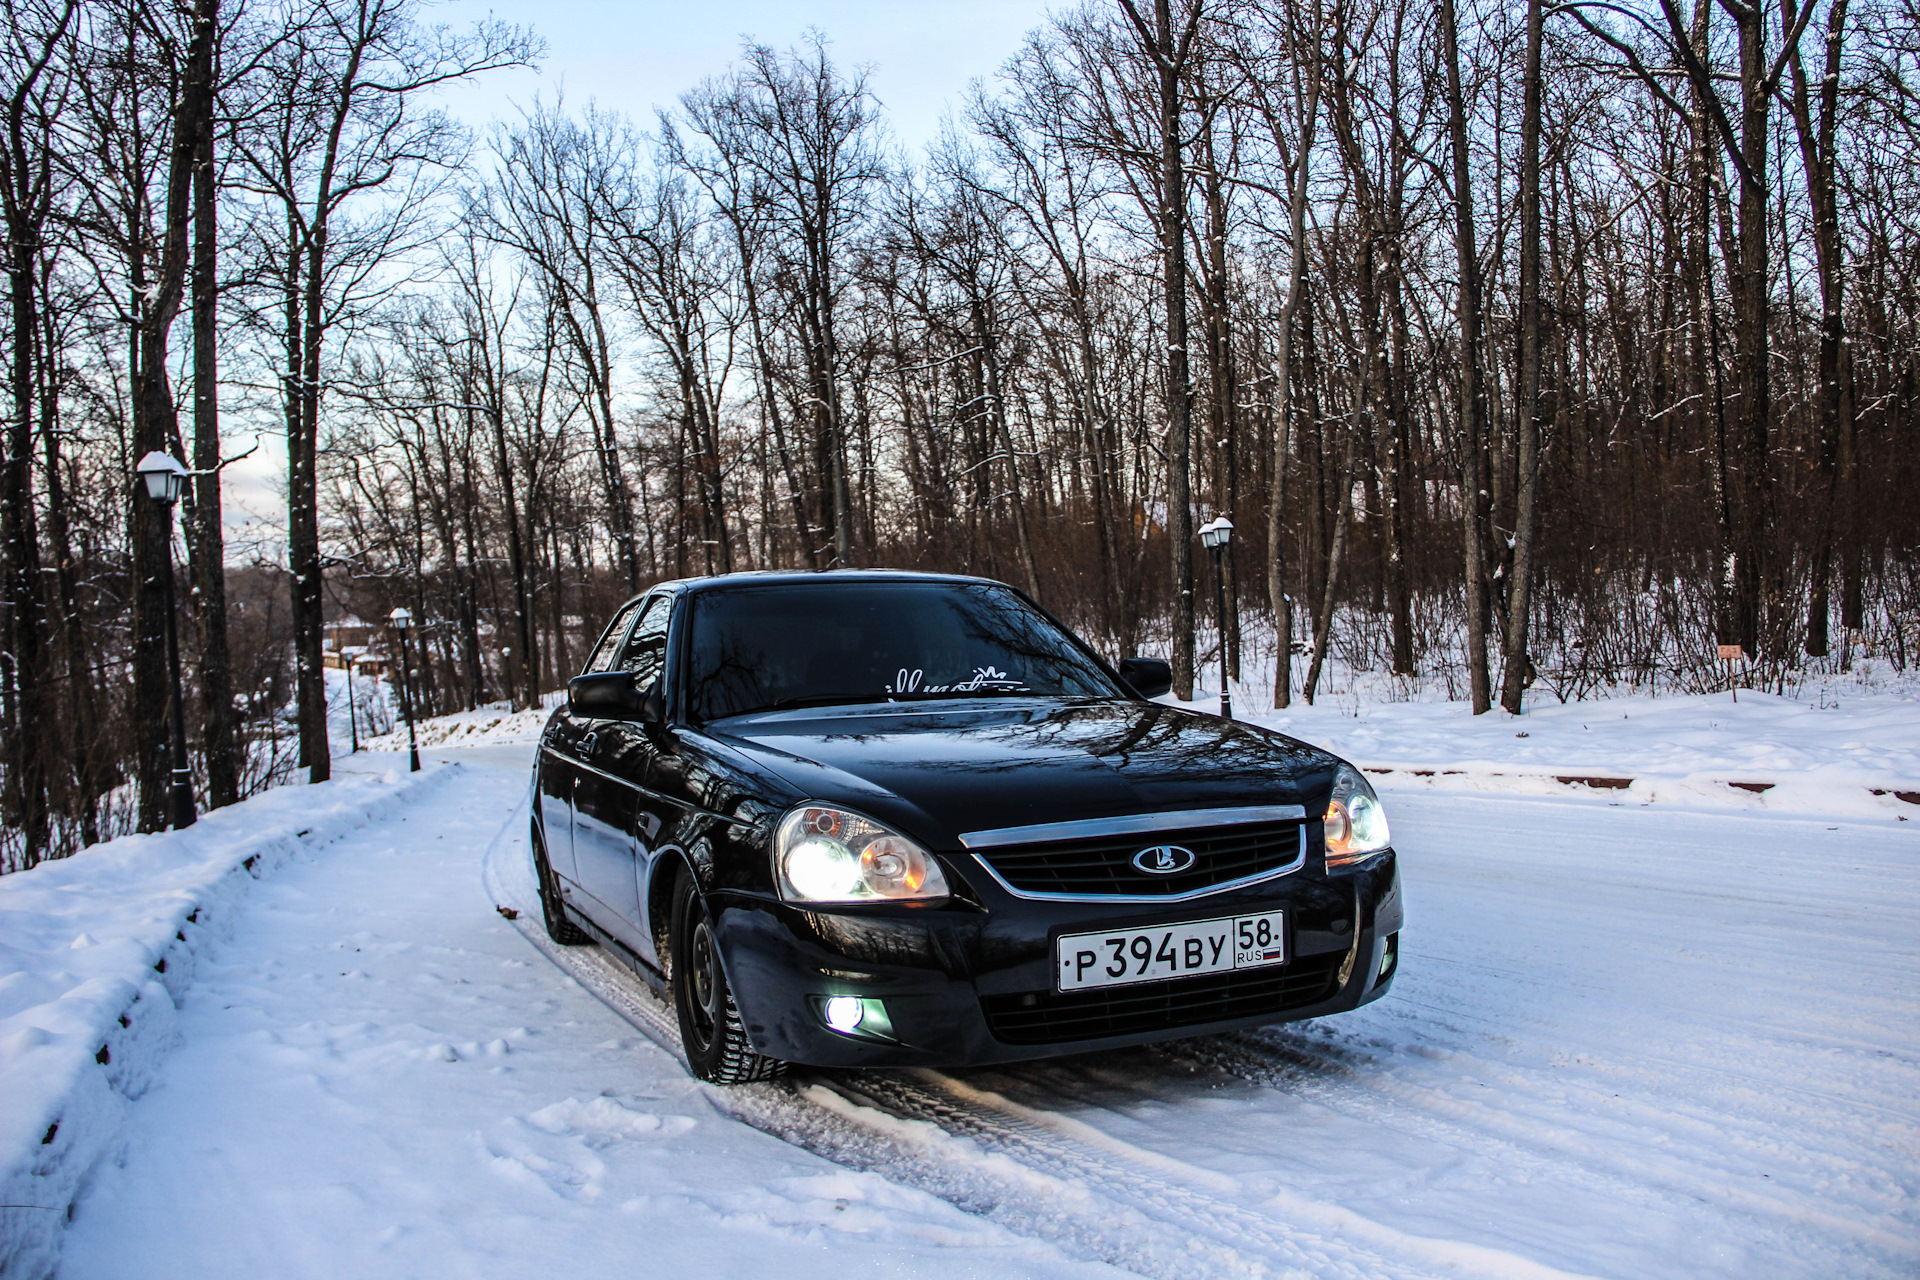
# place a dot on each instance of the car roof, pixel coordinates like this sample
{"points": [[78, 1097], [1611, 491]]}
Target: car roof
{"points": [[806, 577]]}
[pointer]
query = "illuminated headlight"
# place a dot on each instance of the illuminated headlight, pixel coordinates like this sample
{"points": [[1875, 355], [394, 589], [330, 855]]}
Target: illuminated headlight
{"points": [[1356, 824], [824, 855]]}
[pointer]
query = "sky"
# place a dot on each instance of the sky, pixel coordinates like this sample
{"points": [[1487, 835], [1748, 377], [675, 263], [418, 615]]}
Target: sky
{"points": [[634, 57]]}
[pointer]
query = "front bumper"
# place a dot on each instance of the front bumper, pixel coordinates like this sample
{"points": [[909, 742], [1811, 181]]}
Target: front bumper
{"points": [[972, 983]]}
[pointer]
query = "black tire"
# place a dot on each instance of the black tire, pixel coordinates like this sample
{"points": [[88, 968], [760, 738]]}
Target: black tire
{"points": [[710, 1031], [559, 928]]}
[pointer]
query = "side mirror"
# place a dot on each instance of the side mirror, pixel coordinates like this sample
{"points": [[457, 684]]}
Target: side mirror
{"points": [[605, 695], [1150, 677], [652, 707]]}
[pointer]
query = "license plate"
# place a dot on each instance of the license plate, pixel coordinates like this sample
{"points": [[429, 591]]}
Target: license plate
{"points": [[1117, 957]]}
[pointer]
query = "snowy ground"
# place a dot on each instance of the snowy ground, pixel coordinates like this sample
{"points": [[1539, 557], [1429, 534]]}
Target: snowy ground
{"points": [[1640, 1033], [1835, 749], [379, 1077]]}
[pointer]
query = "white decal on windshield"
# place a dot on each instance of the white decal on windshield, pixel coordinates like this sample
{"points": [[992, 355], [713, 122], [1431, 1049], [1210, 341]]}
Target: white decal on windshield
{"points": [[986, 677]]}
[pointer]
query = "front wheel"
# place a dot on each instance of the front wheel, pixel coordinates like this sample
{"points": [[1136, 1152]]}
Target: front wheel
{"points": [[710, 1030]]}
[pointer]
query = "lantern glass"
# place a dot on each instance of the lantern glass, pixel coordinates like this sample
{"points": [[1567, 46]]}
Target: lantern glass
{"points": [[401, 619], [164, 476]]}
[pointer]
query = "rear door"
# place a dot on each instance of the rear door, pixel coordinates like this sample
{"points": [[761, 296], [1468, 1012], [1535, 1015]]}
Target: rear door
{"points": [[559, 756], [615, 758]]}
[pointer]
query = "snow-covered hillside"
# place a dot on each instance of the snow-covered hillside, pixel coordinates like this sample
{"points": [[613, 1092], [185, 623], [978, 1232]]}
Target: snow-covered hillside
{"points": [[1835, 750], [1647, 1033]]}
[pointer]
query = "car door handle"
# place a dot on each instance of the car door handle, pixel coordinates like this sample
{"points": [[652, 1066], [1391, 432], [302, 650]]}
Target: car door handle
{"points": [[587, 744]]}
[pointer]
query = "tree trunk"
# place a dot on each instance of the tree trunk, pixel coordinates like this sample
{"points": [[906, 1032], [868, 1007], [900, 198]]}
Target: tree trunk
{"points": [[1336, 560], [1834, 397], [156, 426], [208, 541], [1527, 410], [303, 516], [1398, 445], [1277, 597], [1750, 482], [1472, 432], [1168, 55], [997, 409], [26, 192], [526, 690], [1223, 410]]}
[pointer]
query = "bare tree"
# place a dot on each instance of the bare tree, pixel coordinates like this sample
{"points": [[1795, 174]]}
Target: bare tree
{"points": [[1171, 51], [341, 129], [37, 36]]}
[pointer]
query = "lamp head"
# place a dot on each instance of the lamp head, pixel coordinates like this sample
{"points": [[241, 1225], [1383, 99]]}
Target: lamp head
{"points": [[401, 620], [164, 476], [1215, 533]]}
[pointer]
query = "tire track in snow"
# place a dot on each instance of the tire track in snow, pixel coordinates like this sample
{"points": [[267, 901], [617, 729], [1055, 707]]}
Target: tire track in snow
{"points": [[1296, 1231], [1038, 1173], [1547, 1144]]}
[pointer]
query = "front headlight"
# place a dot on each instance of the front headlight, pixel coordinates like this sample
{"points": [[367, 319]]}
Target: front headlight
{"points": [[1356, 824], [822, 854]]}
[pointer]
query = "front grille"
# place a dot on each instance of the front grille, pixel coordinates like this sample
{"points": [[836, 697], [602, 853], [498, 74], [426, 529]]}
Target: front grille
{"points": [[1050, 1017], [1104, 865]]}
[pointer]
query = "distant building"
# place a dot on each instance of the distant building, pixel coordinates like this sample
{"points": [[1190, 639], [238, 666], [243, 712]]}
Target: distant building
{"points": [[364, 644]]}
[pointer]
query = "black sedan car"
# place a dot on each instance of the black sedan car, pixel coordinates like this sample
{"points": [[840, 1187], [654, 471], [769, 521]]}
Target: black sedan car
{"points": [[863, 819]]}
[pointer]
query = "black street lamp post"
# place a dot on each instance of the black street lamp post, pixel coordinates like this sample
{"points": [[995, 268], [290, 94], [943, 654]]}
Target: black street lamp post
{"points": [[353, 714], [165, 479], [1214, 537], [401, 620]]}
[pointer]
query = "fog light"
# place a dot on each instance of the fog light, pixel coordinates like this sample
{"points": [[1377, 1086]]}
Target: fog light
{"points": [[844, 1013], [1389, 958]]}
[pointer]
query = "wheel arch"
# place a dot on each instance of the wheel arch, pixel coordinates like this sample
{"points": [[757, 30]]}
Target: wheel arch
{"points": [[664, 872]]}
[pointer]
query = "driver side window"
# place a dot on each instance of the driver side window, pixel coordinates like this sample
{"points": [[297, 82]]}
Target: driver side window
{"points": [[645, 654]]}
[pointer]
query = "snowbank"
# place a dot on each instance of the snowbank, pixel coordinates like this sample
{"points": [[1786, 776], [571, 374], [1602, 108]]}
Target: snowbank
{"points": [[95, 953], [495, 723], [1854, 753]]}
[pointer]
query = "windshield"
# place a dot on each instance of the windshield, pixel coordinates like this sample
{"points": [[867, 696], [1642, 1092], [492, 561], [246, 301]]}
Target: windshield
{"points": [[755, 648]]}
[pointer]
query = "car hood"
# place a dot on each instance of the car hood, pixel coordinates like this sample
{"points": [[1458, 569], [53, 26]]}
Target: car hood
{"points": [[939, 770]]}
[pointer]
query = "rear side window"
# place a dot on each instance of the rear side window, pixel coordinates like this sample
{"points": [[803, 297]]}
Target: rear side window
{"points": [[645, 653], [602, 659]]}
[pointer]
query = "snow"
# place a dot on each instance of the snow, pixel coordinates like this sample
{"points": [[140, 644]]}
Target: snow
{"points": [[95, 951], [378, 1077], [1848, 751], [494, 723], [1671, 1030]]}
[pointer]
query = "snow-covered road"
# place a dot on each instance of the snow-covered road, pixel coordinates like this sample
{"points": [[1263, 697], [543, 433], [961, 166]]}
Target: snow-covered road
{"points": [[1625, 1042]]}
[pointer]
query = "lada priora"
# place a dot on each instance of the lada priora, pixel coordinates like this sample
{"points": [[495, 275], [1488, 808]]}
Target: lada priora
{"points": [[867, 819]]}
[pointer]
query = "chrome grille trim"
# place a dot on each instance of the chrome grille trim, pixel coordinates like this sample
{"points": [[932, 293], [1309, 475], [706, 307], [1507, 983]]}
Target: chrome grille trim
{"points": [[1132, 824]]}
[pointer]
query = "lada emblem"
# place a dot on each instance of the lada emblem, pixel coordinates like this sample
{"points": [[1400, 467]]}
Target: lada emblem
{"points": [[1164, 860]]}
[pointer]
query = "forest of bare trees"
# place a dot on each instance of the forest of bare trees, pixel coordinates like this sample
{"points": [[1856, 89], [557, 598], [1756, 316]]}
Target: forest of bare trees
{"points": [[1529, 347]]}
